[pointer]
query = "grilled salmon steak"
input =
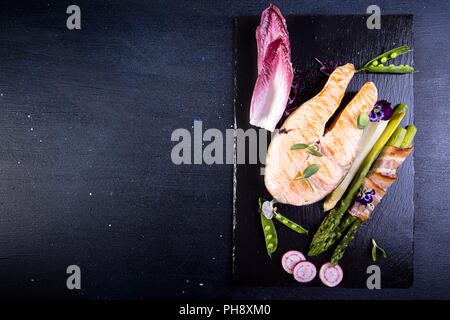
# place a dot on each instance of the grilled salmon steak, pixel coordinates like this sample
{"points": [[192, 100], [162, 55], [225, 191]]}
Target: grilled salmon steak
{"points": [[306, 125]]}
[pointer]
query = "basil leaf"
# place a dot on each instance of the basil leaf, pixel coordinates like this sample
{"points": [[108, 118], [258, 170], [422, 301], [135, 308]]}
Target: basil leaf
{"points": [[313, 152], [299, 146]]}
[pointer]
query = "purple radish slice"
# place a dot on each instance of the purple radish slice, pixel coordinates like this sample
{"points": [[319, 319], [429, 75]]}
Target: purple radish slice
{"points": [[304, 271], [290, 259], [331, 276]]}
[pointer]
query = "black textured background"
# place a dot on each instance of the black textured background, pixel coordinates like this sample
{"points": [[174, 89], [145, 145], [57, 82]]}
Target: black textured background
{"points": [[104, 101], [342, 39]]}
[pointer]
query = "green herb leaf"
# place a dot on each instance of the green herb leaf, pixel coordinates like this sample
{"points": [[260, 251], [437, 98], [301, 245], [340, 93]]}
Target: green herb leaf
{"points": [[310, 170], [313, 151], [299, 146], [309, 184]]}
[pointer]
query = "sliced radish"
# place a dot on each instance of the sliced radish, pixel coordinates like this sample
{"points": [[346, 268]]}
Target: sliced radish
{"points": [[331, 276], [304, 271], [290, 259]]}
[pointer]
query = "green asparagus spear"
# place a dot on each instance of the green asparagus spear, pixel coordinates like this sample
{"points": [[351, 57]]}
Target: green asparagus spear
{"points": [[340, 249], [396, 140], [397, 137], [326, 231], [409, 136]]}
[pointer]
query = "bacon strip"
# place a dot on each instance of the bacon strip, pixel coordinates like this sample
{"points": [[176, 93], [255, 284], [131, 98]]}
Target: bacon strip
{"points": [[380, 177]]}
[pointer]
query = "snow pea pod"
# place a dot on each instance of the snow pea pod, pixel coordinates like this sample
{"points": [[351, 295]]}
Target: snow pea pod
{"points": [[376, 64], [270, 233], [289, 223], [388, 69], [391, 54]]}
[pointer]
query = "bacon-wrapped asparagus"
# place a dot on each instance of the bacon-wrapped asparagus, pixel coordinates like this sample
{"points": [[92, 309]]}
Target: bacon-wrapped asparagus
{"points": [[380, 177], [330, 228]]}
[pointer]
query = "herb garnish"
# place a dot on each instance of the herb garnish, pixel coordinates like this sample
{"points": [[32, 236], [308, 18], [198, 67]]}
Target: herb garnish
{"points": [[299, 146], [310, 148], [374, 250], [307, 173]]}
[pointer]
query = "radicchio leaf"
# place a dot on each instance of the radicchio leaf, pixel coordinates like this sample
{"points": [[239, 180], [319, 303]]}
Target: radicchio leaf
{"points": [[272, 88], [272, 26]]}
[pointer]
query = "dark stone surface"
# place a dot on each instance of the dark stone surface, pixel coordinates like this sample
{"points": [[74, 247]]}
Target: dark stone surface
{"points": [[341, 39], [104, 101]]}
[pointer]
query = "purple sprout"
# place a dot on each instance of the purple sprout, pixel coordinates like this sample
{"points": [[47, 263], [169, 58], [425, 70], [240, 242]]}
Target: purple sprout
{"points": [[365, 197], [302, 80], [327, 68], [381, 111]]}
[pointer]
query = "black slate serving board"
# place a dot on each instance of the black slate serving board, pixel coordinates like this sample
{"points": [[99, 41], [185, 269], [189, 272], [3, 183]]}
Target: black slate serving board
{"points": [[342, 39]]}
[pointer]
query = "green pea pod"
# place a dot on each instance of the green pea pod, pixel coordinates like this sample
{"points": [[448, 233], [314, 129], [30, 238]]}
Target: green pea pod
{"points": [[270, 235], [289, 223], [388, 69], [391, 54]]}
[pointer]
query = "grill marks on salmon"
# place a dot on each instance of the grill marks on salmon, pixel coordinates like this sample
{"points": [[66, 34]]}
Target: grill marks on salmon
{"points": [[341, 142], [338, 145], [380, 177]]}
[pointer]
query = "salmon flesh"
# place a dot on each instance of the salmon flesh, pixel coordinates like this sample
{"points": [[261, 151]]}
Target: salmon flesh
{"points": [[306, 125]]}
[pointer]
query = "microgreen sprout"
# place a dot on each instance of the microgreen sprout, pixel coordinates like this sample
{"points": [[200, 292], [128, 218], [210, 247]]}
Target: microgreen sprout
{"points": [[374, 250]]}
